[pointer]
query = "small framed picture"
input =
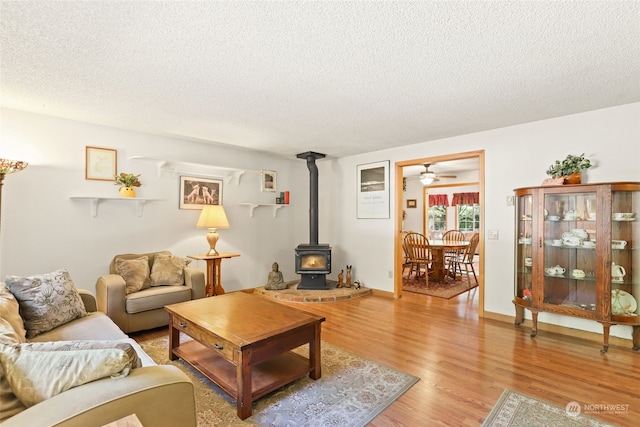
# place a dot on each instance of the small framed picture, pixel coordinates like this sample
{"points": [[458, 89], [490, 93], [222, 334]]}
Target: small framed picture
{"points": [[198, 192], [100, 163], [268, 181], [412, 203]]}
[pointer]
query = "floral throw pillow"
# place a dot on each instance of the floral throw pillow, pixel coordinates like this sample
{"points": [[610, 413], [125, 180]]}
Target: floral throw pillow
{"points": [[135, 273], [168, 270], [36, 375], [46, 300], [85, 345]]}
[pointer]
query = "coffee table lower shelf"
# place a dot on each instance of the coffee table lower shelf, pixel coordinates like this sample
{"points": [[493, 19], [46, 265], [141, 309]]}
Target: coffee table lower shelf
{"points": [[266, 377]]}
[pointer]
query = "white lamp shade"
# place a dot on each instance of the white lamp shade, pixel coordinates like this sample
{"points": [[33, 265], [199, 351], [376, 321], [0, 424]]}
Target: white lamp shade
{"points": [[213, 216], [427, 178]]}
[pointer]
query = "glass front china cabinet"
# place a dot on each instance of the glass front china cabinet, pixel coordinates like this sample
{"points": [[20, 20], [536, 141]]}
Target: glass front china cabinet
{"points": [[578, 254]]}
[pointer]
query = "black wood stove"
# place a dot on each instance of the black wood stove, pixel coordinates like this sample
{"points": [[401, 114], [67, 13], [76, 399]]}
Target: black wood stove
{"points": [[313, 259]]}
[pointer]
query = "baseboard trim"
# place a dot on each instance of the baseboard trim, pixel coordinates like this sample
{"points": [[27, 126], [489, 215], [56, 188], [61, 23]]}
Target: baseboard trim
{"points": [[384, 294]]}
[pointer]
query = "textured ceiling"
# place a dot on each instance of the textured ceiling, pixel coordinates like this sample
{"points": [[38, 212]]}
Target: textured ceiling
{"points": [[340, 78]]}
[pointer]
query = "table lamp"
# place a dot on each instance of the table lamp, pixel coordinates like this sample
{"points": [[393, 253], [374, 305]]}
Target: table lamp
{"points": [[212, 217], [6, 167]]}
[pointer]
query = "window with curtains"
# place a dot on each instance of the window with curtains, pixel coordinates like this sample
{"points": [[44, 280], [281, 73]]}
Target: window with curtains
{"points": [[438, 212], [468, 217], [468, 211]]}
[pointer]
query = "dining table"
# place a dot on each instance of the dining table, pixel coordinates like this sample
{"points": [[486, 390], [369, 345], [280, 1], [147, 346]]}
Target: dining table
{"points": [[438, 249]]}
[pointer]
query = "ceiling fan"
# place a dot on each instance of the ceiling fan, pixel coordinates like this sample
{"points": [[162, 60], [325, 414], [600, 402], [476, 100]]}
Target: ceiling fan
{"points": [[427, 177]]}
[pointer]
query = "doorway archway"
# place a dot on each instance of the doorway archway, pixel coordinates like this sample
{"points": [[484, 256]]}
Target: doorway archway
{"points": [[398, 255]]}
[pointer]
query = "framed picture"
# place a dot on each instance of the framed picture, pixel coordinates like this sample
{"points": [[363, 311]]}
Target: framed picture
{"points": [[373, 190], [412, 203], [268, 181], [100, 163], [198, 192]]}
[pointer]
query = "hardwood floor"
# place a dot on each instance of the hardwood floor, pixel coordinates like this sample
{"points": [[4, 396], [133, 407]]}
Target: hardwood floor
{"points": [[464, 363]]}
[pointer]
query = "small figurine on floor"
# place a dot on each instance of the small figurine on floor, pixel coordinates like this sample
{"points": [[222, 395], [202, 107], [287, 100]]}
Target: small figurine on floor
{"points": [[348, 284], [340, 279], [356, 285], [275, 282]]}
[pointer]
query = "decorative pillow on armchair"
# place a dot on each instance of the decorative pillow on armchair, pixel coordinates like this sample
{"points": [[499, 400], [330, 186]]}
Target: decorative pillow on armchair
{"points": [[135, 273], [168, 270], [46, 300]]}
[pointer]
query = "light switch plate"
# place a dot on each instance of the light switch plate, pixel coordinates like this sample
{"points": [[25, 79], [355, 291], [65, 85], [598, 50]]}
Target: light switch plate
{"points": [[510, 200], [492, 234]]}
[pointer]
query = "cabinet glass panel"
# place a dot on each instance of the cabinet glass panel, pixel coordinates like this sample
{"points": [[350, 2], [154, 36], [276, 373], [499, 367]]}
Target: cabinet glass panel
{"points": [[570, 250], [625, 253], [523, 251]]}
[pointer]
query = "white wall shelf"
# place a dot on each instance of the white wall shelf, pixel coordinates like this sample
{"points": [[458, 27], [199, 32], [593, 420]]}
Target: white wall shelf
{"points": [[172, 167], [96, 200], [253, 206]]}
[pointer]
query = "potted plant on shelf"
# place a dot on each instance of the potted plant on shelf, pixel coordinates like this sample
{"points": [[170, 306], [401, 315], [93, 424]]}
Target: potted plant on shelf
{"points": [[127, 181], [570, 168]]}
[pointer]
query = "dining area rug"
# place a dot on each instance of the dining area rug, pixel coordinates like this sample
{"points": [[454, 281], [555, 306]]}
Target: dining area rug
{"points": [[352, 391], [446, 289], [515, 409]]}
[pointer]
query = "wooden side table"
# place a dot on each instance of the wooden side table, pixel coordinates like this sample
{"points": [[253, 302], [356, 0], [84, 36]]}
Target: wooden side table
{"points": [[214, 285]]}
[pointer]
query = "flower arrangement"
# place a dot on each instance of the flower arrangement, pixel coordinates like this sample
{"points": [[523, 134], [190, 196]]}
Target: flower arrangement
{"points": [[127, 180], [570, 165]]}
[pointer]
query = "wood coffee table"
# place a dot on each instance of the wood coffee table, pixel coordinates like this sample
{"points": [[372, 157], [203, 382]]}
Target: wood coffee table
{"points": [[242, 343]]}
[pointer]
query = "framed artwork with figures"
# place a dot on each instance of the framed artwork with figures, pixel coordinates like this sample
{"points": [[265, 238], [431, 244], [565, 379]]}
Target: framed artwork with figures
{"points": [[197, 192]]}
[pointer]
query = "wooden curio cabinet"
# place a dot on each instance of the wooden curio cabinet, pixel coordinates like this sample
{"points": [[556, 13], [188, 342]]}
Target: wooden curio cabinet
{"points": [[578, 254]]}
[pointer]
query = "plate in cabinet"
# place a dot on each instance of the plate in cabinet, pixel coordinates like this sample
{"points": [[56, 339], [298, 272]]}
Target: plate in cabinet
{"points": [[625, 299]]}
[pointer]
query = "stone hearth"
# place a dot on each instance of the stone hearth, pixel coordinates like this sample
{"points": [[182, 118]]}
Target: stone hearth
{"points": [[332, 294]]}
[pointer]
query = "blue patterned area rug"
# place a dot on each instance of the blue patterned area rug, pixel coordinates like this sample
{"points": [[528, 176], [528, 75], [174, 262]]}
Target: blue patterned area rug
{"points": [[519, 410], [351, 392]]}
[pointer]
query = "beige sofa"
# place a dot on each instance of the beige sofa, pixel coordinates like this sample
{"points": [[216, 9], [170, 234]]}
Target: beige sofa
{"points": [[159, 395], [144, 309]]}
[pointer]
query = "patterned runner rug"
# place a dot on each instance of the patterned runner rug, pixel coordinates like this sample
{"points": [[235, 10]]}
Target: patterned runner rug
{"points": [[514, 409], [351, 392]]}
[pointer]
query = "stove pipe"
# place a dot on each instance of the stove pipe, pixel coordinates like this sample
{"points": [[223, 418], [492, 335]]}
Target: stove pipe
{"points": [[311, 157]]}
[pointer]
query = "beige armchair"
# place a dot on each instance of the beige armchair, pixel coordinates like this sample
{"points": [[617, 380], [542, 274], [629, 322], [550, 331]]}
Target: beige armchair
{"points": [[134, 293]]}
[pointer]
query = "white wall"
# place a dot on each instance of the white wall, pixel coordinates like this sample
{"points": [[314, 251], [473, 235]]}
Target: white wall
{"points": [[415, 216], [42, 229], [515, 156]]}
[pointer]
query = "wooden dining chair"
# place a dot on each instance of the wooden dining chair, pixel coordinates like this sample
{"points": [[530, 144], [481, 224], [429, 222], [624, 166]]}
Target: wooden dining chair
{"points": [[405, 252], [417, 246], [450, 255], [466, 257]]}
